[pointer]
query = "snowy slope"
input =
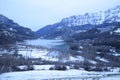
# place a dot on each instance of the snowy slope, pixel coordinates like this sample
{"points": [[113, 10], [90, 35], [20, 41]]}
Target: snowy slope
{"points": [[109, 16], [79, 23]]}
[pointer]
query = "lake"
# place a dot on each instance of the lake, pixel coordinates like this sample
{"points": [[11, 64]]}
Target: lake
{"points": [[55, 44]]}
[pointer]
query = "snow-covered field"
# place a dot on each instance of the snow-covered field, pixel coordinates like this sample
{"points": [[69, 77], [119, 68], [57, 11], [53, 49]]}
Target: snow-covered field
{"points": [[45, 54], [60, 75], [42, 72]]}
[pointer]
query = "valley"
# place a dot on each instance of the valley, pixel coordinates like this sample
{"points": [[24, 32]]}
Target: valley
{"points": [[79, 47]]}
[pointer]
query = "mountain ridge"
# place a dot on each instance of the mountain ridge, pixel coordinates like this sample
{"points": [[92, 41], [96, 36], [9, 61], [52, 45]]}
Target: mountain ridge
{"points": [[11, 32], [76, 23]]}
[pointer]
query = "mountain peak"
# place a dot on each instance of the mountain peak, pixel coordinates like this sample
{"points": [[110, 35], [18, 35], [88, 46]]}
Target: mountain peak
{"points": [[109, 16], [80, 23]]}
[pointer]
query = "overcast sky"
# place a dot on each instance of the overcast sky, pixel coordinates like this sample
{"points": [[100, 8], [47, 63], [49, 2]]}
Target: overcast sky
{"points": [[39, 13]]}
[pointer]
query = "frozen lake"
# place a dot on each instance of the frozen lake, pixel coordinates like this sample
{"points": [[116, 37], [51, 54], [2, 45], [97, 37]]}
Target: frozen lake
{"points": [[54, 44], [45, 42]]}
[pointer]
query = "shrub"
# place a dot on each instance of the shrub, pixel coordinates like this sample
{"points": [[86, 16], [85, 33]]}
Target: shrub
{"points": [[58, 67]]}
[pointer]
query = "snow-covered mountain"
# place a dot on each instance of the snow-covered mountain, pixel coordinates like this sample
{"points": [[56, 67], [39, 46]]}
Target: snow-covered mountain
{"points": [[109, 16], [11, 32], [97, 33], [79, 23]]}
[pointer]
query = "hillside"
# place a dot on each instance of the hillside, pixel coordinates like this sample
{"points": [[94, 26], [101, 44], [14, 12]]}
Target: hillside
{"points": [[11, 32], [81, 23]]}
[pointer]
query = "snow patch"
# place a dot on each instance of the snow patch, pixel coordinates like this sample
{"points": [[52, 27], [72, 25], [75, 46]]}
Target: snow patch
{"points": [[93, 62], [42, 67], [117, 31], [11, 29], [116, 54], [78, 58], [33, 53], [102, 59]]}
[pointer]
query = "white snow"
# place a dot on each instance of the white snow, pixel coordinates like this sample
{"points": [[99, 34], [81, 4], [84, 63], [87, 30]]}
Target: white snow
{"points": [[60, 27], [34, 53], [116, 69], [117, 31], [116, 54], [11, 29], [73, 58], [81, 47], [111, 78], [102, 59], [54, 54], [49, 58], [59, 75], [98, 52], [44, 54], [80, 31], [78, 58], [93, 62], [42, 67], [22, 67], [33, 49]]}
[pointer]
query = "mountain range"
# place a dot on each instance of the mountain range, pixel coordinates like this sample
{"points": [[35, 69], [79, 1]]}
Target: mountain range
{"points": [[80, 23]]}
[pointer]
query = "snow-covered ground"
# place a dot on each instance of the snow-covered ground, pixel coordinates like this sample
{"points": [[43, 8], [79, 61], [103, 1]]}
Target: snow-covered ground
{"points": [[117, 31], [102, 59], [59, 75], [45, 54], [33, 53], [111, 78], [37, 67], [41, 48], [42, 72]]}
